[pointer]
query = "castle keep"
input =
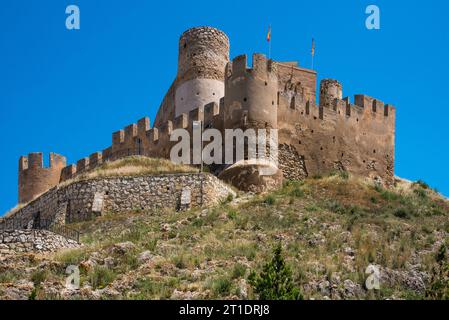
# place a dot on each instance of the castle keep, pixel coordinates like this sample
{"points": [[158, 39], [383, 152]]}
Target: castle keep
{"points": [[333, 135]]}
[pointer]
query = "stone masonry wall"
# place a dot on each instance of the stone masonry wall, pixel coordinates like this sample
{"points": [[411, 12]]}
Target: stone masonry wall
{"points": [[334, 134], [24, 241], [83, 200]]}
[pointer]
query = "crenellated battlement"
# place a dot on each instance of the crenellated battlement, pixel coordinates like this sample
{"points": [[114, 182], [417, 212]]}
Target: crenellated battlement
{"points": [[139, 139], [331, 92], [261, 67], [34, 178], [35, 160]]}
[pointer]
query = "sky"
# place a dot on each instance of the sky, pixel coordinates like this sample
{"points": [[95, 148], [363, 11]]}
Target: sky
{"points": [[66, 91]]}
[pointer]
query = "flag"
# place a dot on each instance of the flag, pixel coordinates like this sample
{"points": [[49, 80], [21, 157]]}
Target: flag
{"points": [[313, 47], [269, 34]]}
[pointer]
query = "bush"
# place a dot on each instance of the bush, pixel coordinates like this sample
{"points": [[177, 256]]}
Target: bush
{"points": [[222, 286], [100, 277], [238, 271], [270, 200], [311, 207], [401, 213], [335, 206], [151, 244], [389, 195], [421, 193], [232, 214], [297, 192], [39, 276], [422, 184], [344, 175], [73, 256], [275, 281], [7, 276], [179, 261]]}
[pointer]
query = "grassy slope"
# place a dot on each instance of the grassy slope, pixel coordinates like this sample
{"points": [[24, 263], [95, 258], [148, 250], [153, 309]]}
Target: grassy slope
{"points": [[331, 230]]}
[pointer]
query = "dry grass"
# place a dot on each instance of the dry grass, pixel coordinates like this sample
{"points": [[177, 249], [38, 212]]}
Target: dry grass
{"points": [[130, 166], [133, 166], [330, 228]]}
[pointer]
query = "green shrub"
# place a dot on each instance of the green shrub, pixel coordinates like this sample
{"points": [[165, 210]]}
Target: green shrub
{"points": [[275, 281], [241, 222], [100, 277], [238, 271], [179, 261], [422, 184], [198, 222], [232, 214], [150, 289], [335, 206], [402, 213], [33, 294], [39, 276], [421, 193], [222, 286], [73, 257], [297, 192], [389, 195], [7, 276], [343, 174], [311, 207], [270, 200], [151, 244]]}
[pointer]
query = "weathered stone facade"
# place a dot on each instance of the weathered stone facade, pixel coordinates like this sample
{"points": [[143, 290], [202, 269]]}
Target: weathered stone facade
{"points": [[24, 241], [84, 200], [314, 138]]}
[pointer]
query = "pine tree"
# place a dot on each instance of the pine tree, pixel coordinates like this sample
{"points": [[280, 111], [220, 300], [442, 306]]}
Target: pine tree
{"points": [[275, 281]]}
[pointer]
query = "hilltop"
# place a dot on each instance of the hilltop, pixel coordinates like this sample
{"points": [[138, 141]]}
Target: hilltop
{"points": [[330, 228]]}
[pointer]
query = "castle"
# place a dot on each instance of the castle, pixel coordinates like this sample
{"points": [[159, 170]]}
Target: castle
{"points": [[335, 135]]}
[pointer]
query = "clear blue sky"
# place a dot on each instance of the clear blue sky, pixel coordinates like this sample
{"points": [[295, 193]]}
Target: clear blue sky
{"points": [[67, 91]]}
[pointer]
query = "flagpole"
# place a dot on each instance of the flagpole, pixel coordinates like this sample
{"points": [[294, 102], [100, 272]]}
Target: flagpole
{"points": [[313, 51], [269, 49], [269, 41]]}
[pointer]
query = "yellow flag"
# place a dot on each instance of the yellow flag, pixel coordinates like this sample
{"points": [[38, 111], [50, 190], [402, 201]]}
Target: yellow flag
{"points": [[269, 34]]}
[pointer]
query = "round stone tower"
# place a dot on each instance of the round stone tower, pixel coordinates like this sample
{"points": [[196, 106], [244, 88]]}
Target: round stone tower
{"points": [[251, 94], [203, 56], [34, 179], [251, 103], [330, 90]]}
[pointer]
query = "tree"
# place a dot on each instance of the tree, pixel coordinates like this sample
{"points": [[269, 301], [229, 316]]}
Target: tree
{"points": [[275, 281]]}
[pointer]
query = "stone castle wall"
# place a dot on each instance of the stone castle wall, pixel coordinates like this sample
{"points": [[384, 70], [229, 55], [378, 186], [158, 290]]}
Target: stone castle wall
{"points": [[314, 139], [26, 241], [338, 136], [84, 200]]}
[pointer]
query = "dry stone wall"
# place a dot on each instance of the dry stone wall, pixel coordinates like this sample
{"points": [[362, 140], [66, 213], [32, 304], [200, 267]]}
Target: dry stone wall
{"points": [[84, 200], [24, 241]]}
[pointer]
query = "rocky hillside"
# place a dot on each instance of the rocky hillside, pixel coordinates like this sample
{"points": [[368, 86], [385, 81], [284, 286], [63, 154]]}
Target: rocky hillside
{"points": [[331, 229]]}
